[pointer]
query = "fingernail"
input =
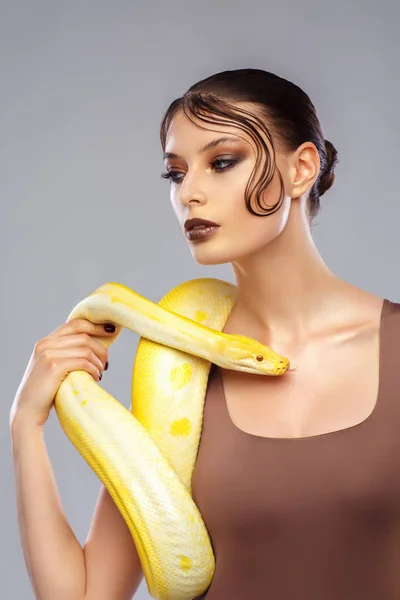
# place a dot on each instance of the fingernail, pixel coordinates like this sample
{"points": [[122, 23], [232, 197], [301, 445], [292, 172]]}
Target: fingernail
{"points": [[109, 327], [106, 366], [100, 376]]}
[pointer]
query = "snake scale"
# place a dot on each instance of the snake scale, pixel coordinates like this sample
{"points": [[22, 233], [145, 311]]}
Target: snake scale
{"points": [[145, 456]]}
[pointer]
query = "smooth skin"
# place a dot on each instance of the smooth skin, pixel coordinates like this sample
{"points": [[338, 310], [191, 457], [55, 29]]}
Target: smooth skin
{"points": [[287, 299], [107, 567]]}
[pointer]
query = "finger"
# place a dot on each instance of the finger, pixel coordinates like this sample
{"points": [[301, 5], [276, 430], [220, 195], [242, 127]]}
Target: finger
{"points": [[74, 340], [69, 365], [85, 326], [53, 356]]}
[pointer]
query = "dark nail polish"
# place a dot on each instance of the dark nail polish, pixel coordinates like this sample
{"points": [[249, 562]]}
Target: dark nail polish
{"points": [[109, 327], [100, 376], [106, 366]]}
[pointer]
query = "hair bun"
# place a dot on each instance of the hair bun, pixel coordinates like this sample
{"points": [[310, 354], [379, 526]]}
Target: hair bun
{"points": [[328, 175]]}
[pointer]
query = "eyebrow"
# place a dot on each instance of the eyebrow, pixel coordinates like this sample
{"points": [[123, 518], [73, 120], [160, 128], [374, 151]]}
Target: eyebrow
{"points": [[209, 146]]}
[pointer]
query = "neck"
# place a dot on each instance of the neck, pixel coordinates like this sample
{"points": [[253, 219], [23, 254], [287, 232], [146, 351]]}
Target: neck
{"points": [[283, 289]]}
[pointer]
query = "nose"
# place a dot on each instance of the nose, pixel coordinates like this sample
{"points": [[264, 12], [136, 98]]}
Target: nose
{"points": [[191, 192]]}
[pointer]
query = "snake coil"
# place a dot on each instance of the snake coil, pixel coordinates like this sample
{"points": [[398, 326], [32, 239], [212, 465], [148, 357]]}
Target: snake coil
{"points": [[145, 456]]}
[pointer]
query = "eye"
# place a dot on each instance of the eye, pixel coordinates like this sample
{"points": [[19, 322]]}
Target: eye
{"points": [[171, 175], [174, 176], [231, 163]]}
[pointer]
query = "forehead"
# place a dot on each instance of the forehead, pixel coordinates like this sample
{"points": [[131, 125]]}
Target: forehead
{"points": [[186, 136]]}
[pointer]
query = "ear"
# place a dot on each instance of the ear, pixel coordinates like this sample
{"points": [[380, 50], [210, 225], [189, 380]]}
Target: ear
{"points": [[304, 169]]}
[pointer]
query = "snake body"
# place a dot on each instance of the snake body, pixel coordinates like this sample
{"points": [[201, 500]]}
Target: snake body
{"points": [[145, 456]]}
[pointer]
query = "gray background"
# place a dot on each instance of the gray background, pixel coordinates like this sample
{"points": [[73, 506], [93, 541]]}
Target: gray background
{"points": [[83, 86]]}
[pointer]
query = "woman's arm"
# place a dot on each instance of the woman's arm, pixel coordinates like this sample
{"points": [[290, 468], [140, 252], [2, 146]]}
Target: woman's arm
{"points": [[113, 569], [107, 568]]}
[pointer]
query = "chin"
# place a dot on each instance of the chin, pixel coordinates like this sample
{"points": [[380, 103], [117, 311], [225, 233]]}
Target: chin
{"points": [[209, 256], [210, 261]]}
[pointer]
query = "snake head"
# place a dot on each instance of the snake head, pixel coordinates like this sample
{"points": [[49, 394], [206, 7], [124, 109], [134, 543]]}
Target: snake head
{"points": [[241, 353]]}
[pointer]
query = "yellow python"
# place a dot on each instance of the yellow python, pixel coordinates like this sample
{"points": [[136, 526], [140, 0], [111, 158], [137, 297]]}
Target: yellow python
{"points": [[146, 457]]}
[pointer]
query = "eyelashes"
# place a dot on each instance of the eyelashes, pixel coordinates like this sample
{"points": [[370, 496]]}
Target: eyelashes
{"points": [[173, 175]]}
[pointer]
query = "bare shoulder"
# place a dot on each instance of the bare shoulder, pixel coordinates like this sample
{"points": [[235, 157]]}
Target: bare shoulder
{"points": [[364, 311]]}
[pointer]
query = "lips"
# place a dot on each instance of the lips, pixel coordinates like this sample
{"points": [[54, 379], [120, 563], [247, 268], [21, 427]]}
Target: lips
{"points": [[190, 223]]}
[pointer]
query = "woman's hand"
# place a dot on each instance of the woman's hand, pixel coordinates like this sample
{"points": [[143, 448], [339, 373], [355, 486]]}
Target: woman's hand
{"points": [[70, 347]]}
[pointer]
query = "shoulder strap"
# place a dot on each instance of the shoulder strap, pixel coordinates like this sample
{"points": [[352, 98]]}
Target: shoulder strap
{"points": [[390, 346]]}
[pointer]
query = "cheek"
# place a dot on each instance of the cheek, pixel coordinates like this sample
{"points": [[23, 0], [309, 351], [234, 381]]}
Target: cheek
{"points": [[250, 230], [176, 205], [275, 223], [240, 213]]}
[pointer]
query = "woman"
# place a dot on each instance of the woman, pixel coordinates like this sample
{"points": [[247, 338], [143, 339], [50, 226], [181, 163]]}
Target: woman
{"points": [[295, 475]]}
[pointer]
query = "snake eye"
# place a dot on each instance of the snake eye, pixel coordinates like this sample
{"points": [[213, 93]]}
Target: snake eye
{"points": [[259, 357]]}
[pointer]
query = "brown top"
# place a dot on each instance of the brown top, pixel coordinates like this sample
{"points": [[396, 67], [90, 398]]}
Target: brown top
{"points": [[312, 518]]}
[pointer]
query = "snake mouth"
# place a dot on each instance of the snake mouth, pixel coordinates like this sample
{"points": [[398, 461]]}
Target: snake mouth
{"points": [[273, 368], [281, 368]]}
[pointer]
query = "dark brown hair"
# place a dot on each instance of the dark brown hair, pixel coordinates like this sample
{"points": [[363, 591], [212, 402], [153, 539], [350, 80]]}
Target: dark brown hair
{"points": [[280, 103]]}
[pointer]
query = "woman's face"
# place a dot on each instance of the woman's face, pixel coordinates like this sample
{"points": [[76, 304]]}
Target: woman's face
{"points": [[210, 184]]}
